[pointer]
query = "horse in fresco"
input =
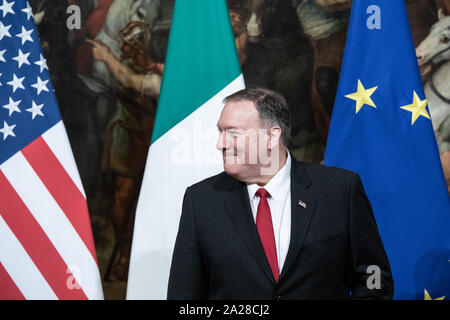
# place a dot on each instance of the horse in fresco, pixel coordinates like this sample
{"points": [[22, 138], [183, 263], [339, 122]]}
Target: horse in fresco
{"points": [[433, 55]]}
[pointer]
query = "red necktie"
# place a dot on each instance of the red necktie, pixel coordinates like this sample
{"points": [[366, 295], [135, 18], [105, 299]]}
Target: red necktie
{"points": [[265, 231]]}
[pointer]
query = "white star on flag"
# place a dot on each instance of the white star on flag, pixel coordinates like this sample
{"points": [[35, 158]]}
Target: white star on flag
{"points": [[28, 11], [40, 85], [2, 58], [35, 110], [4, 31], [7, 130], [13, 106], [6, 7], [25, 35], [16, 83], [0, 82], [42, 63], [22, 58]]}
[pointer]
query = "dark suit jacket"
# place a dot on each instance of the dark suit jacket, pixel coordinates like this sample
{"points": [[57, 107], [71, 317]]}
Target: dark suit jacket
{"points": [[218, 254]]}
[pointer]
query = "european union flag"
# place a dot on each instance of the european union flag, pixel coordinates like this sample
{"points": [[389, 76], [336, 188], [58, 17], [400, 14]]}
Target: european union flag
{"points": [[381, 128]]}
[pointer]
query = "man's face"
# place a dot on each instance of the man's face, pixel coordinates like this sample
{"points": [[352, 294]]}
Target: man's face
{"points": [[237, 23], [241, 140], [127, 51]]}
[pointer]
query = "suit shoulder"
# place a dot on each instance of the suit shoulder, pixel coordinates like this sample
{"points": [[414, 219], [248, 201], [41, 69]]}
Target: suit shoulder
{"points": [[327, 175], [321, 169], [211, 183]]}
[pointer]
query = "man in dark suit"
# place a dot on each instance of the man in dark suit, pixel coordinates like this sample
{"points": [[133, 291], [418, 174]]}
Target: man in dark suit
{"points": [[270, 227]]}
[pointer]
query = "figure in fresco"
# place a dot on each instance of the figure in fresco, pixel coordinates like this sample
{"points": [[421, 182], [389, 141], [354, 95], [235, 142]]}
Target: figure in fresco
{"points": [[138, 79], [325, 21], [58, 45], [433, 56], [112, 16], [280, 57], [238, 11], [95, 100], [93, 17], [120, 13]]}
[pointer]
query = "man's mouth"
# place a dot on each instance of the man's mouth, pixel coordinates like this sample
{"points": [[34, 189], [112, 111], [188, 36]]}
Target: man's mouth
{"points": [[230, 158]]}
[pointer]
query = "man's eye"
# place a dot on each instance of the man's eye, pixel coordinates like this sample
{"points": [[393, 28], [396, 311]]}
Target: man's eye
{"points": [[234, 133]]}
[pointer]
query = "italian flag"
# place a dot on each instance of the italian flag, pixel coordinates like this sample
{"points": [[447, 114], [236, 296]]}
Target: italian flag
{"points": [[201, 69]]}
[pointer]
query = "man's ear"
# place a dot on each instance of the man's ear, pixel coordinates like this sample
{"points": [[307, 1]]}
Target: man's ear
{"points": [[274, 134]]}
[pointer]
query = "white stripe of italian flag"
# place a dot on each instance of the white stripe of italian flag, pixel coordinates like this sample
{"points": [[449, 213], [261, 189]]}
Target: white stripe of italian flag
{"points": [[201, 69]]}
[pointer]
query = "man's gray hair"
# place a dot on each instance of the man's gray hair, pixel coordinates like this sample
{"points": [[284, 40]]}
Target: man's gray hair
{"points": [[271, 106]]}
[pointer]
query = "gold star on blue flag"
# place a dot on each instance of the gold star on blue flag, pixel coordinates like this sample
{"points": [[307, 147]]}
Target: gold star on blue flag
{"points": [[393, 147], [428, 297], [417, 108], [362, 96]]}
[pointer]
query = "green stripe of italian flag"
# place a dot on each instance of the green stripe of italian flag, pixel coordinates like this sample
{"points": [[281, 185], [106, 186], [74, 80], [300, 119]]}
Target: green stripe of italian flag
{"points": [[201, 69]]}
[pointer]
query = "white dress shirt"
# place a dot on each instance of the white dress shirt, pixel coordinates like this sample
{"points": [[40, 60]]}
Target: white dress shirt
{"points": [[279, 187]]}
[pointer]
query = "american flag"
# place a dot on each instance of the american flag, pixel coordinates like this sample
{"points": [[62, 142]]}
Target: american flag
{"points": [[46, 245]]}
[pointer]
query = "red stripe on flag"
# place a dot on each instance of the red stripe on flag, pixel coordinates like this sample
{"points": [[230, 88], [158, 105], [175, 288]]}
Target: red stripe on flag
{"points": [[9, 290], [36, 243], [62, 188]]}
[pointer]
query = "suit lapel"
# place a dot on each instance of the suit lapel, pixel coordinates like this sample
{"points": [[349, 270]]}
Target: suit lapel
{"points": [[238, 207], [300, 216]]}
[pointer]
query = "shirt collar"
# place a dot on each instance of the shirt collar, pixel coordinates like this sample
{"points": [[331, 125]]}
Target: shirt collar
{"points": [[277, 185]]}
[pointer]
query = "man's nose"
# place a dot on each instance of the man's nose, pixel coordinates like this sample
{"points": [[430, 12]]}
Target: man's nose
{"points": [[222, 141]]}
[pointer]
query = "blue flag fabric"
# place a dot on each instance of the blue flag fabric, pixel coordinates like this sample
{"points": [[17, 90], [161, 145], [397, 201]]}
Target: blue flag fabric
{"points": [[381, 129], [28, 106]]}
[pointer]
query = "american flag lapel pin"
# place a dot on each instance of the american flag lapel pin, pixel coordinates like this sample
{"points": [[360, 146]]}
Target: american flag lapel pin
{"points": [[302, 204]]}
